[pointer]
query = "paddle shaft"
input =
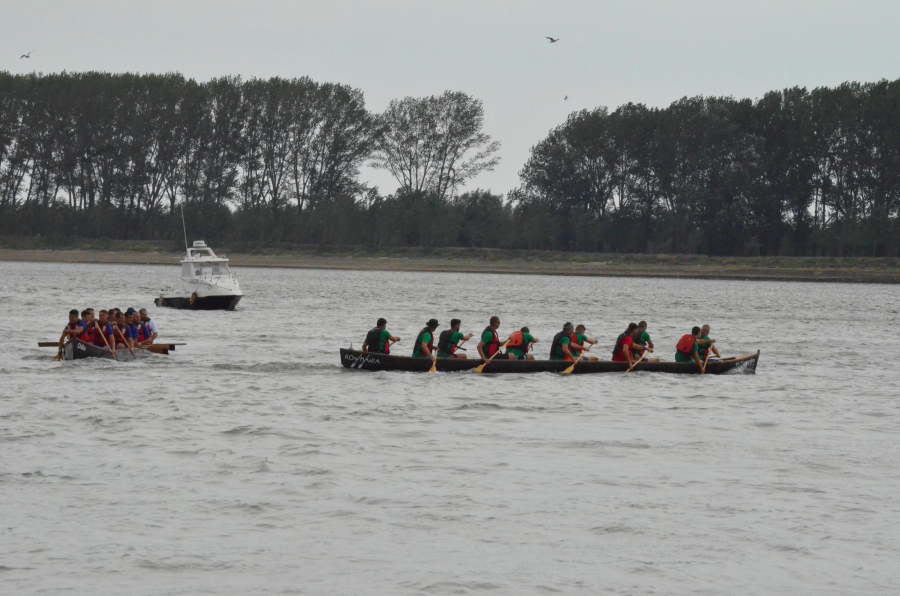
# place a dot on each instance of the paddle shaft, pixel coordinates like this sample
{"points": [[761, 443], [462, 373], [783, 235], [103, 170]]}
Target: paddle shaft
{"points": [[126, 343], [631, 368], [481, 368]]}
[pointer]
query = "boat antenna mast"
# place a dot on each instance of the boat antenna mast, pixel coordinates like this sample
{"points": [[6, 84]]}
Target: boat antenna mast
{"points": [[184, 227]]}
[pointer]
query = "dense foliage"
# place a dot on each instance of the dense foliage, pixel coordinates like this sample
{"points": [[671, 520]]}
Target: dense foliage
{"points": [[97, 155]]}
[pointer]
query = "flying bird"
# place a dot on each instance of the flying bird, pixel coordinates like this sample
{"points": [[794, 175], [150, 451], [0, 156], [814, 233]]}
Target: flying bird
{"points": [[566, 98], [553, 40], [28, 55]]}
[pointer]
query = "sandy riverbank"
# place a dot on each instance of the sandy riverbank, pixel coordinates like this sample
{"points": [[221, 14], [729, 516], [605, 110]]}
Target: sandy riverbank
{"points": [[821, 269]]}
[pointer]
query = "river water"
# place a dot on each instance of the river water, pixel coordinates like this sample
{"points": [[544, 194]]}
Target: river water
{"points": [[250, 462]]}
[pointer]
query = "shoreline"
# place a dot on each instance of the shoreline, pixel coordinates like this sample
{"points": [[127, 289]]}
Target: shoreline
{"points": [[821, 269]]}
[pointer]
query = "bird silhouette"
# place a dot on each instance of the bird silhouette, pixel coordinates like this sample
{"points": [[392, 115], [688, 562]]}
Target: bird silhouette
{"points": [[553, 40], [28, 55], [566, 98]]}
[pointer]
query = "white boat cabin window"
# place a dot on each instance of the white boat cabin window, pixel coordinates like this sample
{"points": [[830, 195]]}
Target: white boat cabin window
{"points": [[204, 269], [220, 269], [186, 270]]}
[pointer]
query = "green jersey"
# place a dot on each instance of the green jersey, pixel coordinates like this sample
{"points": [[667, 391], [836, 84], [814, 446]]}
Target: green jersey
{"points": [[425, 339], [679, 357], [454, 339], [527, 338], [561, 356], [701, 351]]}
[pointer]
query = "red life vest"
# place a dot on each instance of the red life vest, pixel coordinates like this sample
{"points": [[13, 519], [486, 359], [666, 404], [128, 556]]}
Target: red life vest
{"points": [[516, 341], [492, 346], [87, 335], [686, 344]]}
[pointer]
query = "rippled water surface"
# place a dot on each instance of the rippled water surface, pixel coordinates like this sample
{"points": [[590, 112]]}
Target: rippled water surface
{"points": [[250, 462]]}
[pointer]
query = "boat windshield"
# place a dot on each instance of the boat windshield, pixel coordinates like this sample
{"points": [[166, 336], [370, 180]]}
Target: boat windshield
{"points": [[204, 269], [220, 269]]}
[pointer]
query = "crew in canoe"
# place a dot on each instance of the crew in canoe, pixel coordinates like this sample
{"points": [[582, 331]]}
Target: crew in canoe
{"points": [[104, 337], [424, 346], [448, 341], [642, 343], [519, 343], [622, 352], [582, 339], [705, 344], [564, 342], [379, 339], [490, 340]]}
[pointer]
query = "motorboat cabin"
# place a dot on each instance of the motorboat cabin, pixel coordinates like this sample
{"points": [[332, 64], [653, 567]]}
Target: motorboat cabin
{"points": [[206, 282]]}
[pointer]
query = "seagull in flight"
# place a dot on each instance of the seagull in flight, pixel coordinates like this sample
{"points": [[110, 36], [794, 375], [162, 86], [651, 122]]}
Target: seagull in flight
{"points": [[566, 98], [553, 40], [28, 55]]}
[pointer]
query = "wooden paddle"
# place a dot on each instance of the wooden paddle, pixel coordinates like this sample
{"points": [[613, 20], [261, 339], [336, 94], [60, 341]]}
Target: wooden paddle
{"points": [[631, 368], [126, 343], [481, 368], [112, 350], [705, 360], [155, 349], [569, 370]]}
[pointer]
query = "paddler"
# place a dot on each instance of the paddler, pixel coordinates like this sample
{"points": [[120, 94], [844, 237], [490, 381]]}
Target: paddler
{"points": [[104, 331], [123, 331], [448, 341], [688, 349], [424, 346], [73, 328], [642, 343], [624, 344], [564, 342], [87, 327], [583, 340], [705, 344], [150, 325], [519, 343], [490, 341], [379, 339]]}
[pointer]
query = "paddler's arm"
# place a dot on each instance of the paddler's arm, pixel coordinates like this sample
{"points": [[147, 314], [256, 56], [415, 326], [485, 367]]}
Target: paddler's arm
{"points": [[626, 349], [565, 350], [480, 348]]}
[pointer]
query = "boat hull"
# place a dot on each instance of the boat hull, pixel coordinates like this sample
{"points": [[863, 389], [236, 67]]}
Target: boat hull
{"points": [[356, 359], [77, 350], [200, 302]]}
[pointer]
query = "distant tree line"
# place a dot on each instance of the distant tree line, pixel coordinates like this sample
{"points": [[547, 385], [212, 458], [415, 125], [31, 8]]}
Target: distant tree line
{"points": [[98, 155]]}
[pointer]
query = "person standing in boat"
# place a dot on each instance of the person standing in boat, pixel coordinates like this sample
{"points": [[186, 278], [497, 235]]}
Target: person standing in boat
{"points": [[152, 332], [582, 339], [704, 344], [624, 344], [490, 340], [448, 341], [424, 346], [379, 339], [519, 343], [564, 342]]}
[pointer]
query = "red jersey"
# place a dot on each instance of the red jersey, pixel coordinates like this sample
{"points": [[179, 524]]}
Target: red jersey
{"points": [[627, 342]]}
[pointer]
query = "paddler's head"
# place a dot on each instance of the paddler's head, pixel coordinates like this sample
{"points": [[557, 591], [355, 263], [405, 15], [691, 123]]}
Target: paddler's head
{"points": [[454, 324], [432, 324], [632, 329], [144, 315], [86, 316], [382, 323], [73, 316], [580, 329], [120, 317], [495, 322], [695, 332], [103, 317], [705, 330], [568, 327], [128, 319], [642, 326]]}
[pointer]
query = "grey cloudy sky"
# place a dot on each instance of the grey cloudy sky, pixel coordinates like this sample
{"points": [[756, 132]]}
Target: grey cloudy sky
{"points": [[610, 52]]}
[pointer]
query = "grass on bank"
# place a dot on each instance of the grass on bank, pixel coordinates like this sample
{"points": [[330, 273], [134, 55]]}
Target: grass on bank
{"points": [[890, 264]]}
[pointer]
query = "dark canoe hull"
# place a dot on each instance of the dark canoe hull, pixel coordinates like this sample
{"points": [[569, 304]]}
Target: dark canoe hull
{"points": [[200, 303], [355, 359], [77, 349]]}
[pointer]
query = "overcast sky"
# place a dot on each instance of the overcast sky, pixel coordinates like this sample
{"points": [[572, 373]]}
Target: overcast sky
{"points": [[609, 53]]}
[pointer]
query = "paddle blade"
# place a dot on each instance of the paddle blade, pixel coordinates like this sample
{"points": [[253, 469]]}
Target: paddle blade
{"points": [[48, 344], [480, 368], [569, 370], [433, 367]]}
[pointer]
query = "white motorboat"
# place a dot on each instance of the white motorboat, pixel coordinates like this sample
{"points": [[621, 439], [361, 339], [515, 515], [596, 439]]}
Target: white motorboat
{"points": [[206, 282]]}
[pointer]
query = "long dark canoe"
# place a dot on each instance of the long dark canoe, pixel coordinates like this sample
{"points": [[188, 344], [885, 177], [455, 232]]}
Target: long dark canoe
{"points": [[77, 349], [355, 359]]}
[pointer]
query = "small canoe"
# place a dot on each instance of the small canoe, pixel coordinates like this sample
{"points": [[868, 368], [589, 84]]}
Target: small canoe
{"points": [[356, 359]]}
